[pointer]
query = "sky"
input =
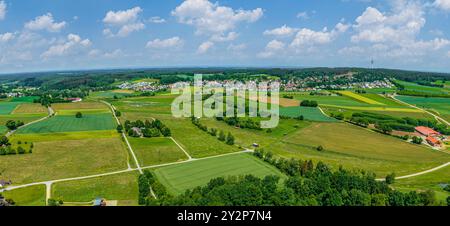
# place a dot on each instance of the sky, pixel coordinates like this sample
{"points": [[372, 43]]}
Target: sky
{"points": [[47, 35]]}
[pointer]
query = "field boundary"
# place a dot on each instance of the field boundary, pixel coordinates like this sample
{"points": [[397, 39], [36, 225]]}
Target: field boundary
{"points": [[413, 106], [51, 113]]}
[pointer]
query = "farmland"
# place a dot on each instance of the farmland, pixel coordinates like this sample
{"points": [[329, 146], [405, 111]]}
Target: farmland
{"points": [[309, 113], [29, 196], [178, 178], [154, 151], [65, 123], [360, 97], [439, 105], [121, 187]]}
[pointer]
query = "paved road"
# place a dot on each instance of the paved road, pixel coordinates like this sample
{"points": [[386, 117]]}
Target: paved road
{"points": [[419, 173]]}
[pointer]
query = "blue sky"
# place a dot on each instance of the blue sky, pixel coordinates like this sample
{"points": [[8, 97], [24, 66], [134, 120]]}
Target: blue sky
{"points": [[40, 35]]}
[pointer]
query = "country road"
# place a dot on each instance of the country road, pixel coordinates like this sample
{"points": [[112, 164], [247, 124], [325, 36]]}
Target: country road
{"points": [[50, 113]]}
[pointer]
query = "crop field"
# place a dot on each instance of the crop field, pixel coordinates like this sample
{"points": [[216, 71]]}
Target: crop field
{"points": [[380, 108], [28, 196], [152, 105], [360, 98], [57, 159], [178, 178], [26, 99], [423, 89], [440, 105], [66, 123], [121, 187], [156, 150], [84, 105], [348, 112], [355, 147], [29, 108], [7, 108], [26, 118], [333, 100], [110, 94], [432, 181], [309, 113]]}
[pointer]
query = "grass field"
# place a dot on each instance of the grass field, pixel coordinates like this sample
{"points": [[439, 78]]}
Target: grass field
{"points": [[355, 147], [440, 105], [431, 181], [157, 150], [29, 108], [361, 98], [178, 178], [65, 123], [3, 129], [109, 94], [84, 105], [334, 100], [29, 196], [26, 118], [312, 114], [121, 187], [57, 158], [7, 108], [348, 112]]}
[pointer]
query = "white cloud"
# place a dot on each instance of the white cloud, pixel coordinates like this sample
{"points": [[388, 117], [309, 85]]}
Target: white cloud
{"points": [[174, 42], [281, 31], [72, 45], [125, 20], [156, 20], [442, 4], [204, 47], [2, 10], [224, 38], [306, 38], [6, 37], [209, 18], [272, 48], [45, 22], [303, 15]]}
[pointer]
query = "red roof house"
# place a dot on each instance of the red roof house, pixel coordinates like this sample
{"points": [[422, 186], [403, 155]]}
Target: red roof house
{"points": [[426, 131], [433, 141]]}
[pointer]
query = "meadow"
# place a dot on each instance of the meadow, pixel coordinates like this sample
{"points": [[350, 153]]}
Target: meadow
{"points": [[156, 150], [333, 100], [121, 187], [423, 89], [30, 108], [360, 98], [59, 158], [432, 181], [355, 147], [7, 108], [309, 113], [66, 123], [28, 196], [178, 178]]}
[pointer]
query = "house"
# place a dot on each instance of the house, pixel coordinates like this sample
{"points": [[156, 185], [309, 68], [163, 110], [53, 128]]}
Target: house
{"points": [[426, 131], [74, 100], [433, 141]]}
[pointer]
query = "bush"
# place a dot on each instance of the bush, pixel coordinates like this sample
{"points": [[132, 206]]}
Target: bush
{"points": [[309, 103], [390, 178], [79, 115], [320, 148]]}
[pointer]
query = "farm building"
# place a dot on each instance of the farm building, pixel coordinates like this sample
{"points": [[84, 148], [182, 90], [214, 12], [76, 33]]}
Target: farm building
{"points": [[426, 131], [433, 141], [4, 183]]}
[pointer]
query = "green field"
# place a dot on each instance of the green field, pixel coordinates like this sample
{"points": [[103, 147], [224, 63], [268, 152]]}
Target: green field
{"points": [[334, 100], [30, 108], [423, 89], [122, 187], [439, 105], [3, 129], [431, 181], [27, 99], [156, 150], [28, 196], [7, 108], [57, 158], [360, 98], [309, 113], [355, 147], [65, 123], [178, 178]]}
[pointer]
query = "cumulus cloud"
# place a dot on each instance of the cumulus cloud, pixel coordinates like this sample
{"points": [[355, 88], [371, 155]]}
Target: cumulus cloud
{"points": [[272, 48], [96, 53], [224, 38], [396, 31], [174, 42], [2, 10], [281, 31], [303, 15], [204, 47], [45, 22], [306, 38], [71, 45], [211, 18], [442, 4], [6, 37], [236, 48], [126, 21]]}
